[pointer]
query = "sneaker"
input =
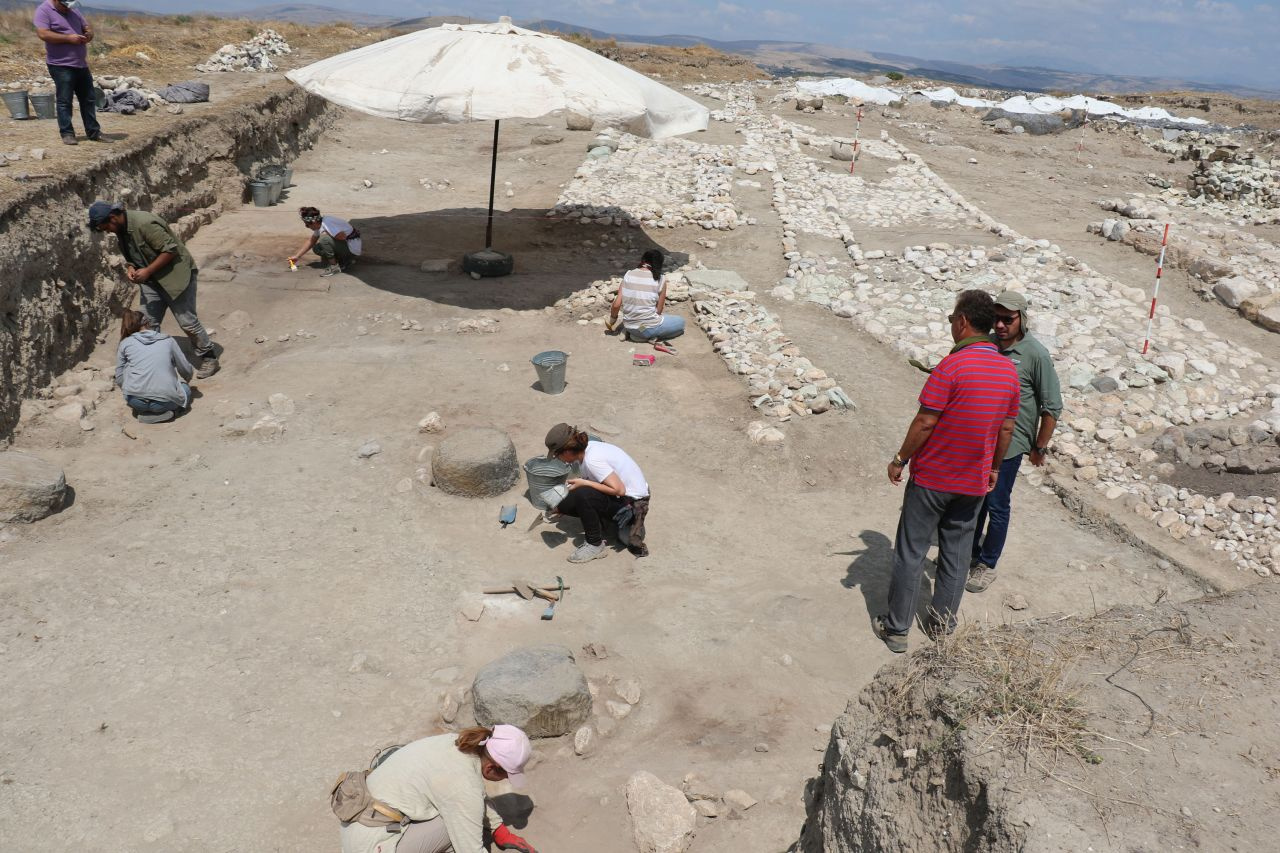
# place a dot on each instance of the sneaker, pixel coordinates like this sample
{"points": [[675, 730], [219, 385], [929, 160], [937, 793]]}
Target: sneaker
{"points": [[331, 270], [587, 552], [70, 139], [981, 576], [155, 418], [897, 643], [208, 366]]}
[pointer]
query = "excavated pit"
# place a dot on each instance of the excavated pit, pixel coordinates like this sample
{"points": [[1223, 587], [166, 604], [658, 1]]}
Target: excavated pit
{"points": [[58, 288]]}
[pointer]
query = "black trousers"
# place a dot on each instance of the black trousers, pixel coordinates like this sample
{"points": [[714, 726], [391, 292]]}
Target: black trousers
{"points": [[594, 508]]}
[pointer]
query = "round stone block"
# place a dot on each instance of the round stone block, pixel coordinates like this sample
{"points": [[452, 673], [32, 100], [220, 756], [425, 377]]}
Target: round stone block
{"points": [[475, 463], [30, 488], [537, 688]]}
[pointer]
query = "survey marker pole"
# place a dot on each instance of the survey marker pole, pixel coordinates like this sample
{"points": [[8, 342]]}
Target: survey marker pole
{"points": [[1151, 317], [857, 131]]}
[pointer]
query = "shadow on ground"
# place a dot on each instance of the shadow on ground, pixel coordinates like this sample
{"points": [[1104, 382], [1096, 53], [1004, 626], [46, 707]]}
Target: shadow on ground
{"points": [[553, 257]]}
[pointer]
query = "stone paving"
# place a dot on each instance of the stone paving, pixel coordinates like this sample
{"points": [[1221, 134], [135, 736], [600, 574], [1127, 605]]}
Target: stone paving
{"points": [[1123, 410]]}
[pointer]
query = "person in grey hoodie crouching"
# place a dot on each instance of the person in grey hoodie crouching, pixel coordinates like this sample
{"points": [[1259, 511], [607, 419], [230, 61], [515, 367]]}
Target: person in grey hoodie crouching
{"points": [[151, 370]]}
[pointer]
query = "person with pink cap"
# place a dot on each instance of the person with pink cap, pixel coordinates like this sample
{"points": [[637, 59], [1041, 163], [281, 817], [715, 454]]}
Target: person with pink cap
{"points": [[436, 787]]}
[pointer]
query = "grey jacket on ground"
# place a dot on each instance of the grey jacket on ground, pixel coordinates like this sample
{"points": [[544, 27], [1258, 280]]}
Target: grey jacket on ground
{"points": [[148, 364]]}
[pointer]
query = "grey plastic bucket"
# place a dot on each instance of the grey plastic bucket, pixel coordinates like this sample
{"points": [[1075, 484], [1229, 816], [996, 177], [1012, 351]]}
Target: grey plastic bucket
{"points": [[17, 104], [288, 176], [100, 97], [44, 106], [551, 370], [261, 191], [544, 475]]}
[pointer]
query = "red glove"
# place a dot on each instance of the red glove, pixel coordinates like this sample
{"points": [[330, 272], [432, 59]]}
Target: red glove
{"points": [[508, 840]]}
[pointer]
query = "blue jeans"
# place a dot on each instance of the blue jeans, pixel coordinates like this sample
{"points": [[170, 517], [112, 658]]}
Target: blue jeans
{"points": [[156, 407], [993, 519], [670, 326], [68, 81]]}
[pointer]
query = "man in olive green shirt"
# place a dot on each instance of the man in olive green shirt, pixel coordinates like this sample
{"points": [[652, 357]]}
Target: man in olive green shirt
{"points": [[1039, 408], [158, 262]]}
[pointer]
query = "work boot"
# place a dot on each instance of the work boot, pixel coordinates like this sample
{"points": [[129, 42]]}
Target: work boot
{"points": [[208, 366], [70, 139], [587, 552], [896, 643], [332, 269], [981, 576]]}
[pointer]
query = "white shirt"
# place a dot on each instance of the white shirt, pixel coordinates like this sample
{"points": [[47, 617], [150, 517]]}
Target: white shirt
{"points": [[602, 459], [640, 292], [333, 226]]}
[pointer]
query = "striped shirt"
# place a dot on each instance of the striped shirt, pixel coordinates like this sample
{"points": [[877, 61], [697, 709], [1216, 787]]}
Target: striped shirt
{"points": [[640, 299], [973, 390]]}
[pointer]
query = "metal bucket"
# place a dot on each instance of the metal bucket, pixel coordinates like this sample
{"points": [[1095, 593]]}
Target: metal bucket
{"points": [[288, 176], [261, 192], [17, 104], [544, 475], [99, 97], [44, 106], [276, 185], [551, 366]]}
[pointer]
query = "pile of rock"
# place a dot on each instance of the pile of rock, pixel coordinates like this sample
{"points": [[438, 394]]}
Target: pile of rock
{"points": [[1244, 178], [252, 55], [654, 183], [1234, 449], [74, 396], [781, 381]]}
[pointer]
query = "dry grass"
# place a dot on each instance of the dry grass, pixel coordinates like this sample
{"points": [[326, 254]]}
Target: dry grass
{"points": [[1009, 689], [173, 45]]}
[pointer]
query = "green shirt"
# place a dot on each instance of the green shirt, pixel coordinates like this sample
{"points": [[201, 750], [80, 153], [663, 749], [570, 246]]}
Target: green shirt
{"points": [[145, 237], [1041, 393]]}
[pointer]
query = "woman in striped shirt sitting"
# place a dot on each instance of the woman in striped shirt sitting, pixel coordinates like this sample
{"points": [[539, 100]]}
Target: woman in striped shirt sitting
{"points": [[640, 300]]}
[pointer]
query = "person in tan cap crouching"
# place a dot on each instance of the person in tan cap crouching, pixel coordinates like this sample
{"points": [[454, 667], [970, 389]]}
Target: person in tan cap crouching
{"points": [[611, 488]]}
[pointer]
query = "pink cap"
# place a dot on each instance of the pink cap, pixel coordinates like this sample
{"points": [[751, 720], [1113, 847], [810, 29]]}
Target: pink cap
{"points": [[509, 747]]}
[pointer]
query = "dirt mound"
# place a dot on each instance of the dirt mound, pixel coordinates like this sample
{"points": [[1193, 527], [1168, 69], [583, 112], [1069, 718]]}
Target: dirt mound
{"points": [[1063, 735]]}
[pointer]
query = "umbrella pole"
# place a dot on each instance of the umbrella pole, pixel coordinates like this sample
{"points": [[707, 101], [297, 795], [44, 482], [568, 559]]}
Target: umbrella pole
{"points": [[493, 180]]}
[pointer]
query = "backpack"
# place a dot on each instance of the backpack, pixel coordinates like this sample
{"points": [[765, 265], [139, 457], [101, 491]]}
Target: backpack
{"points": [[351, 801]]}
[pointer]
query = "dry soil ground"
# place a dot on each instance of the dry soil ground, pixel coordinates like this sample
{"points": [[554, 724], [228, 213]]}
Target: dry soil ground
{"points": [[217, 626]]}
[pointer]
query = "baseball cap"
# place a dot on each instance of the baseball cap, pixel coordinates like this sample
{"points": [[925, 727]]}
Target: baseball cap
{"points": [[559, 436], [509, 747], [100, 211], [1013, 300]]}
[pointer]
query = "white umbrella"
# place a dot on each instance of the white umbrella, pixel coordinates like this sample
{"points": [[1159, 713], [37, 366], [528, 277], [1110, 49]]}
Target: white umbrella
{"points": [[484, 72]]}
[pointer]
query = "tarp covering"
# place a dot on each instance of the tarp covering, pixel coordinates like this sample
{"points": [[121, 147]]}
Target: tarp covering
{"points": [[483, 72]]}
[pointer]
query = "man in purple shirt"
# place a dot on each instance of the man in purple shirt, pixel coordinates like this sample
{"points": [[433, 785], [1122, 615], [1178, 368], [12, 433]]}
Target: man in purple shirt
{"points": [[66, 36]]}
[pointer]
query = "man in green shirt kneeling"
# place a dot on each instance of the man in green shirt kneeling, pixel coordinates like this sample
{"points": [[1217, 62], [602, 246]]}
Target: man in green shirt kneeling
{"points": [[159, 263]]}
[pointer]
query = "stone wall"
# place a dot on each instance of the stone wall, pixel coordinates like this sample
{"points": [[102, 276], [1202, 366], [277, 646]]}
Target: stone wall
{"points": [[58, 291]]}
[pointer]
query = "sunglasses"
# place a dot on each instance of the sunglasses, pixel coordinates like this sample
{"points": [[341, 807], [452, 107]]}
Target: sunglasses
{"points": [[1006, 320]]}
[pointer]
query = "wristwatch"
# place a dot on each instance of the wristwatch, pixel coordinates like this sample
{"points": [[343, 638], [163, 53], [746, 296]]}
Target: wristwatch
{"points": [[899, 461], [1041, 450]]}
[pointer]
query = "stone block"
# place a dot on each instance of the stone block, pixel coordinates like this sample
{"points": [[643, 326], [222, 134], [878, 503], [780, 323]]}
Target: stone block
{"points": [[537, 688], [475, 463], [662, 820], [30, 488]]}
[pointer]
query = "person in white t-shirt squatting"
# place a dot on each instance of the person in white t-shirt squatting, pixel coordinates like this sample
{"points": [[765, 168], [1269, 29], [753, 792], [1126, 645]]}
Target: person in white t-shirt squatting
{"points": [[335, 240], [612, 489], [640, 300]]}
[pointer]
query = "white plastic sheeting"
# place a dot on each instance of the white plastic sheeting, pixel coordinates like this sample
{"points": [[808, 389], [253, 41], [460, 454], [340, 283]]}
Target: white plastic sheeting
{"points": [[484, 72], [859, 91]]}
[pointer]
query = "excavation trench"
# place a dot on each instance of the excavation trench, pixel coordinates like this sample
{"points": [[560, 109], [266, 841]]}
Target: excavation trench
{"points": [[58, 286]]}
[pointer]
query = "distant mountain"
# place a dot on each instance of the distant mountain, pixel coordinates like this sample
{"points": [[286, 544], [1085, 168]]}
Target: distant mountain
{"points": [[306, 13], [792, 58]]}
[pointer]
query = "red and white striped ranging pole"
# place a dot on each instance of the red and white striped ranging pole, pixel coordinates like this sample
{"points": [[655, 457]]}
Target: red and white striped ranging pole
{"points": [[1151, 317], [857, 131]]}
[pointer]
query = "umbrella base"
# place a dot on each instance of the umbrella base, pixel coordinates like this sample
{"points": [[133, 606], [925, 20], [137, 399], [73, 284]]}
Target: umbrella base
{"points": [[488, 263]]}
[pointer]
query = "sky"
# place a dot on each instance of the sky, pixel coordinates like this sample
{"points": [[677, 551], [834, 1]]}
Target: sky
{"points": [[1206, 40]]}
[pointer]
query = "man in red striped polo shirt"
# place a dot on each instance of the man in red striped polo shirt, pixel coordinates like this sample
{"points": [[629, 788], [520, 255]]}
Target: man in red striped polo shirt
{"points": [[955, 446]]}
